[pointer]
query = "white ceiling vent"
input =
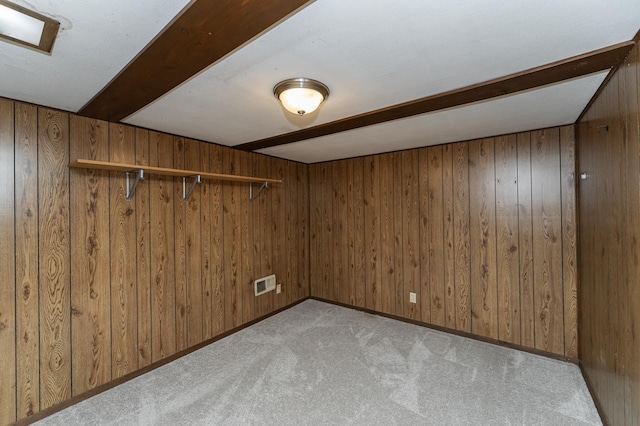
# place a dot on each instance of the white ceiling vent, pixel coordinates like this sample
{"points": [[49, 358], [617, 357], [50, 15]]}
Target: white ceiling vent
{"points": [[265, 285]]}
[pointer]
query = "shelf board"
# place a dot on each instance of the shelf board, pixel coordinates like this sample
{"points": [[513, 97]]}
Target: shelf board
{"points": [[121, 167]]}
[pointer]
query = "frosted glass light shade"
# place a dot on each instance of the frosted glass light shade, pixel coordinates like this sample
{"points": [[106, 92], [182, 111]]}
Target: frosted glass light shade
{"points": [[301, 95]]}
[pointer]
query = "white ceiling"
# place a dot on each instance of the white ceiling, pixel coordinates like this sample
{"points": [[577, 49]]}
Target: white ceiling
{"points": [[371, 53]]}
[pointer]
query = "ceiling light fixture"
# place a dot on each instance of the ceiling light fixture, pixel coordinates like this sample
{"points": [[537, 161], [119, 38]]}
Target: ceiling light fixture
{"points": [[26, 27], [301, 95]]}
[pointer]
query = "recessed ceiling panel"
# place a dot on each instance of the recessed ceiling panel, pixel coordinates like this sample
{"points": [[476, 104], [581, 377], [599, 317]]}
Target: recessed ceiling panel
{"points": [[550, 106], [373, 54], [96, 40]]}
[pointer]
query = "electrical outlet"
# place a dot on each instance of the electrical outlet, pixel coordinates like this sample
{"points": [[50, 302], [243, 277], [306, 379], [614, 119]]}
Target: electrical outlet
{"points": [[278, 288], [412, 298]]}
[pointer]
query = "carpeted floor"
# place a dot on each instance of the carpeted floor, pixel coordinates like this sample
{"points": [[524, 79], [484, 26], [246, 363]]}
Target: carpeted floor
{"points": [[320, 364]]}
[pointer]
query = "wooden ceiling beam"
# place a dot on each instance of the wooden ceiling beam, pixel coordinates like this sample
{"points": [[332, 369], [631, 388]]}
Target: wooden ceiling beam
{"points": [[204, 33], [555, 72]]}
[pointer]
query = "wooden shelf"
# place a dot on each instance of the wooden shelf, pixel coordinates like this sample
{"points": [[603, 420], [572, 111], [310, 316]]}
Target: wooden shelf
{"points": [[121, 167]]}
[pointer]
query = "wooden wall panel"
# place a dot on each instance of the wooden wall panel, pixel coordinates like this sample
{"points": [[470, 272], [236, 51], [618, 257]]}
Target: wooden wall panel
{"points": [[91, 296], [97, 286], [7, 266], [410, 226], [180, 247], [630, 88], [569, 240], [482, 231], [303, 228], [232, 270], [461, 235], [608, 154], [340, 226], [455, 224], [143, 247], [206, 213], [359, 229], [425, 242], [122, 241], [193, 247], [26, 252], [387, 238], [525, 240], [163, 311], [278, 239], [247, 300], [218, 247], [508, 256], [260, 230], [53, 252], [400, 287], [315, 201], [547, 240], [448, 234], [436, 236]]}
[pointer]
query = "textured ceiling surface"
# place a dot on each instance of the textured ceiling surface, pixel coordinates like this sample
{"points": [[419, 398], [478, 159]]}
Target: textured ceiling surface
{"points": [[372, 54]]}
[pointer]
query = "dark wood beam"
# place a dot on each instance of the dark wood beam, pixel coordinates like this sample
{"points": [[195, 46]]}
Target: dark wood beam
{"points": [[204, 33], [555, 72]]}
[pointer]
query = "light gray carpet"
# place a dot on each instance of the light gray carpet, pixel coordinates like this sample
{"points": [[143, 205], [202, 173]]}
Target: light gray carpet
{"points": [[320, 364]]}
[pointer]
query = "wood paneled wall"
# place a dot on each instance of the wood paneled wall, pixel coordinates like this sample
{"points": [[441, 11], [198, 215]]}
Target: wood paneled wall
{"points": [[483, 232], [608, 146], [95, 287]]}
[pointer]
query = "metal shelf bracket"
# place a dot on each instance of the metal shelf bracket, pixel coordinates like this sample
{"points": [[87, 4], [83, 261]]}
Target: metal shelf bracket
{"points": [[186, 194], [132, 189], [253, 197]]}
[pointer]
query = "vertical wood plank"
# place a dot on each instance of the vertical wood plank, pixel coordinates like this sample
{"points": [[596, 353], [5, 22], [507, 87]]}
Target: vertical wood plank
{"points": [[340, 252], [26, 252], [232, 255], [218, 247], [54, 279], [436, 237], [163, 314], [359, 231], [569, 240], [315, 202], [180, 248], [425, 246], [193, 247], [630, 92], [351, 236], [547, 241], [461, 236], [294, 229], [8, 265], [327, 224], [266, 251], [410, 224], [143, 238], [372, 232], [257, 214], [278, 218], [507, 239], [387, 238], [484, 318], [402, 293], [206, 242], [303, 223], [525, 240], [124, 330], [247, 296], [448, 233]]}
